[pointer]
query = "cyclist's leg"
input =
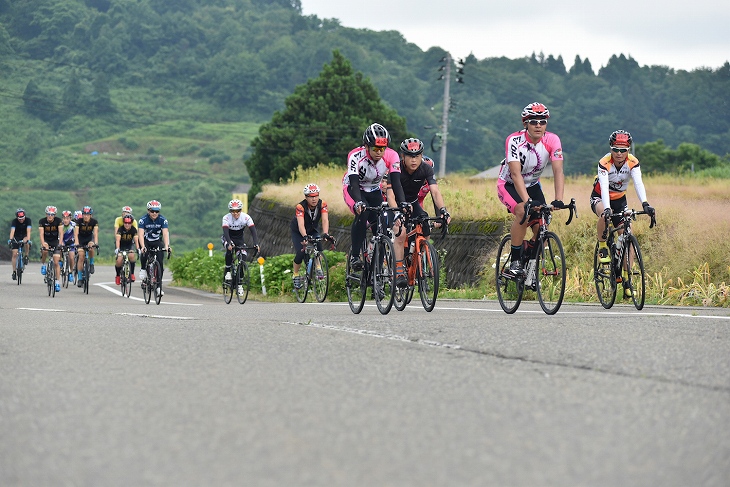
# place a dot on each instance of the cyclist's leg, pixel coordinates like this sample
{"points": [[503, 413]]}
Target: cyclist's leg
{"points": [[297, 242]]}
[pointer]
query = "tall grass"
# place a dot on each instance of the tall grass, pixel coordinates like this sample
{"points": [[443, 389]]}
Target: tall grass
{"points": [[687, 254]]}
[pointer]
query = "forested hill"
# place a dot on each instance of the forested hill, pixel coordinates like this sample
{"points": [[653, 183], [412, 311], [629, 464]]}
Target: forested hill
{"points": [[73, 71]]}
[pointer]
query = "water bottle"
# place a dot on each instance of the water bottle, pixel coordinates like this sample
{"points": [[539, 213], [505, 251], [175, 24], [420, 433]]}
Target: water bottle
{"points": [[412, 247], [309, 266], [530, 272], [369, 252]]}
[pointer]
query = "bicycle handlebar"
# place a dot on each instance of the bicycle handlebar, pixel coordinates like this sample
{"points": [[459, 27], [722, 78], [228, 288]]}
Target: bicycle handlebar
{"points": [[535, 209]]}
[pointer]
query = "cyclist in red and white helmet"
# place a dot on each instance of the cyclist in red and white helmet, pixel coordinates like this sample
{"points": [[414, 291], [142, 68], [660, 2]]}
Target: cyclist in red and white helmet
{"points": [[119, 222], [307, 216], [366, 167], [609, 188], [234, 223], [50, 238], [153, 233], [86, 235], [20, 233], [126, 239], [68, 232], [527, 153]]}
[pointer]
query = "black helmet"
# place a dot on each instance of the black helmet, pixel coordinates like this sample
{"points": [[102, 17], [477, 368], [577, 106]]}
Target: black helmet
{"points": [[376, 135], [412, 147]]}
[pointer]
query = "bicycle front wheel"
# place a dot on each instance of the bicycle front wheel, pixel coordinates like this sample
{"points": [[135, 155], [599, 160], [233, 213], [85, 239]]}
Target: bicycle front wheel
{"points": [[147, 290], [356, 285], [428, 275], [384, 275], [509, 287], [64, 273], [604, 277], [126, 280], [636, 275], [228, 287], [320, 283], [301, 292], [157, 282], [550, 270], [244, 282], [86, 275]]}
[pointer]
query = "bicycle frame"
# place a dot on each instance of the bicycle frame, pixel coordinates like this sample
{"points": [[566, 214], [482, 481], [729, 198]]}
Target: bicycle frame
{"points": [[312, 257], [240, 277]]}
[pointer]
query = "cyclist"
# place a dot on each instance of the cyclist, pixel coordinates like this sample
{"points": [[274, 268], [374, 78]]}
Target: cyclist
{"points": [[153, 232], [366, 167], [68, 229], [527, 155], [234, 223], [609, 188], [308, 214], [418, 179], [86, 234], [49, 228], [126, 239], [77, 215], [119, 221], [20, 229]]}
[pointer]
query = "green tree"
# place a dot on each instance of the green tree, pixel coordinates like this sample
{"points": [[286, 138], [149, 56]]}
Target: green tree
{"points": [[322, 122]]}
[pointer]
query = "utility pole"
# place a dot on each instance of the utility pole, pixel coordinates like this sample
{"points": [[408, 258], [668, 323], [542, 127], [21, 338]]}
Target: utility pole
{"points": [[445, 115]]}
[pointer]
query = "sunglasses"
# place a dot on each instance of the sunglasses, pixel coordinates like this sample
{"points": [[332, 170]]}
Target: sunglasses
{"points": [[235, 211], [154, 211], [620, 150], [537, 122], [377, 149]]}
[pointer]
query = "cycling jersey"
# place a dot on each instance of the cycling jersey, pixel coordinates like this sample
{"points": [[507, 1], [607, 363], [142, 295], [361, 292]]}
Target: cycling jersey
{"points": [[533, 158], [153, 228], [22, 229], [50, 230], [233, 229], [126, 239], [370, 173], [311, 217], [68, 233], [119, 223], [612, 182], [417, 183]]}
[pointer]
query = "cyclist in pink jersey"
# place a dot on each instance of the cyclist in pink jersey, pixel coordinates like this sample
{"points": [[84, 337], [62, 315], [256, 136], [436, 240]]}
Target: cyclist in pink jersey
{"points": [[609, 188], [366, 167], [527, 155]]}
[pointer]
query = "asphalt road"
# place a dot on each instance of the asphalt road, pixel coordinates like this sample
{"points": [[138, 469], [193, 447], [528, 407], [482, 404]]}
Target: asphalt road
{"points": [[102, 390]]}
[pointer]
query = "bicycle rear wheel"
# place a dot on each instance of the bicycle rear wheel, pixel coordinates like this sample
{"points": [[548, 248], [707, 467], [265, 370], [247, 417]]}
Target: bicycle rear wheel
{"points": [[428, 275], [125, 280], [636, 275], [244, 281], [356, 285], [157, 282], [605, 280], [509, 286], [19, 268], [320, 284], [550, 270], [301, 292], [384, 275]]}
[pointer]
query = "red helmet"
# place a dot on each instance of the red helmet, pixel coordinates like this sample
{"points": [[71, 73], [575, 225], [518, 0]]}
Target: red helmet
{"points": [[126, 210], [66, 214], [127, 219], [20, 213], [535, 110], [620, 138], [86, 210], [51, 210], [154, 205]]}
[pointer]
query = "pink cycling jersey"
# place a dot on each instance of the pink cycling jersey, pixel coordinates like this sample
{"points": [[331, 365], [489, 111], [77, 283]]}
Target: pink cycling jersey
{"points": [[370, 173], [533, 157]]}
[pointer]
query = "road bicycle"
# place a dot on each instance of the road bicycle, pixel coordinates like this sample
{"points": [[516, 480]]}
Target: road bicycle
{"points": [[50, 278], [125, 275], [83, 281], [377, 264], [422, 264], [317, 275], [627, 264], [67, 267], [22, 258], [240, 282], [543, 264], [152, 282]]}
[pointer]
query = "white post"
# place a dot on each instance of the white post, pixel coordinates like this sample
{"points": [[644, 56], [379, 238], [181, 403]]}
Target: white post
{"points": [[261, 270]]}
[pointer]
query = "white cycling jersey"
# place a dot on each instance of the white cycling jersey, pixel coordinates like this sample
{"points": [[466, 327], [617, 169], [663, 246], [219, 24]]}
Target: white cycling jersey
{"points": [[370, 173], [236, 226]]}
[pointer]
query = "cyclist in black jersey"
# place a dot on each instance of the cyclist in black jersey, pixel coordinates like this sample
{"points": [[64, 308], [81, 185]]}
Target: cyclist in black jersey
{"points": [[308, 214], [20, 230], [127, 239], [50, 236]]}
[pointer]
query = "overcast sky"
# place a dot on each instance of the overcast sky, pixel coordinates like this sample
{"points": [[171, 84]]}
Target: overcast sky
{"points": [[678, 34]]}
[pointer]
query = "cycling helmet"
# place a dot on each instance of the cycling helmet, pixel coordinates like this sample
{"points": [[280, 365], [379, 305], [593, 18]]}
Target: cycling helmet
{"points": [[126, 210], [620, 138], [376, 135], [86, 210], [77, 214], [127, 219], [66, 213], [311, 190], [535, 110], [412, 147], [20, 213], [51, 210], [235, 205], [154, 205]]}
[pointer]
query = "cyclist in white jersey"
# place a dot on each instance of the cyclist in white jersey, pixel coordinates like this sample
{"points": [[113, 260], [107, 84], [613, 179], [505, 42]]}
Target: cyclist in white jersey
{"points": [[234, 223], [527, 155], [366, 167]]}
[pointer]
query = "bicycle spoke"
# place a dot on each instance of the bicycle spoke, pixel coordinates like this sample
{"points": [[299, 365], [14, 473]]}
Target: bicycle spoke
{"points": [[605, 281], [551, 274], [356, 286], [428, 275], [509, 287]]}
